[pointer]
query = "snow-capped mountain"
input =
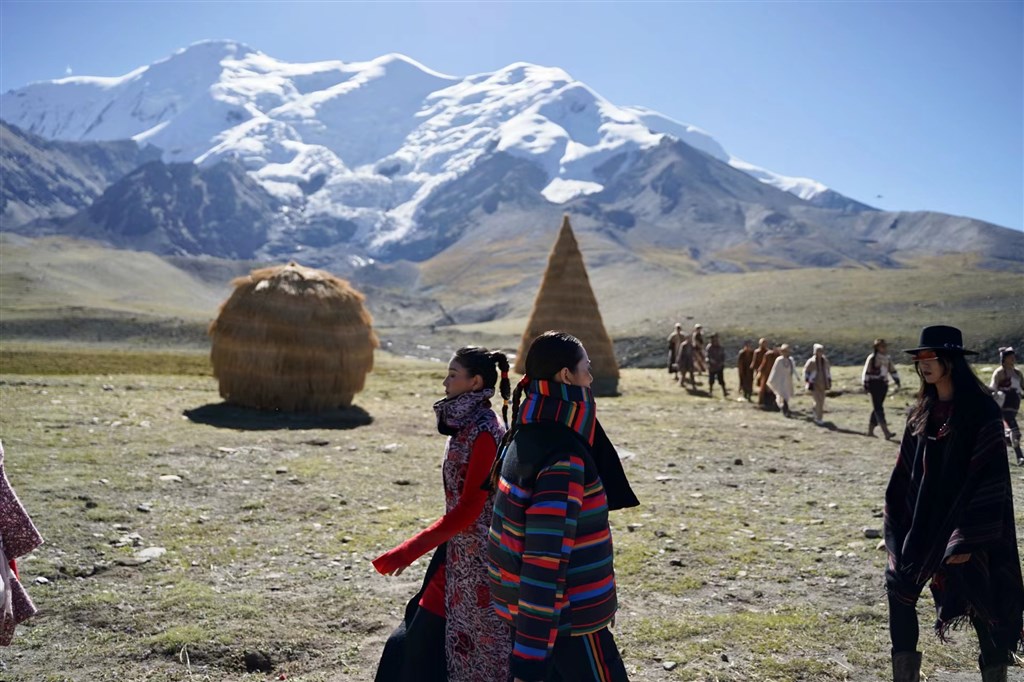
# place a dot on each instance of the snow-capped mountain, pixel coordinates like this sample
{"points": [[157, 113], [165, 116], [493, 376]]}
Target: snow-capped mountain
{"points": [[364, 144]]}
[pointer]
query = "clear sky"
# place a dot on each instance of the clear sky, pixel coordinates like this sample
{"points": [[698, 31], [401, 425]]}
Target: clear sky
{"points": [[902, 105]]}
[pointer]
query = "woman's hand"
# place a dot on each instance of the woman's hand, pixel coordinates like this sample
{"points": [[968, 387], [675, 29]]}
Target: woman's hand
{"points": [[958, 559], [397, 572]]}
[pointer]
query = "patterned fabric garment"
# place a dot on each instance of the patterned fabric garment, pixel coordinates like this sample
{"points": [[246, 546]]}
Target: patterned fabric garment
{"points": [[476, 640], [950, 493], [551, 548], [18, 536]]}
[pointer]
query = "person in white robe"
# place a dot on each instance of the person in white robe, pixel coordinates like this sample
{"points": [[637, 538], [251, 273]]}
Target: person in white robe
{"points": [[782, 378]]}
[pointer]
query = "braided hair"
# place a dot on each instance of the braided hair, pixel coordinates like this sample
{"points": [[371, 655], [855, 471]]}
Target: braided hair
{"points": [[481, 362]]}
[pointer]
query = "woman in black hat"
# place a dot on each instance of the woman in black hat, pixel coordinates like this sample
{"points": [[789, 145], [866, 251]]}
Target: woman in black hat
{"points": [[949, 514]]}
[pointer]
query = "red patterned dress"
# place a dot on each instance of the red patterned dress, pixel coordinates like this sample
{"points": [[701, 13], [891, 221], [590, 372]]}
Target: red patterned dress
{"points": [[477, 641]]}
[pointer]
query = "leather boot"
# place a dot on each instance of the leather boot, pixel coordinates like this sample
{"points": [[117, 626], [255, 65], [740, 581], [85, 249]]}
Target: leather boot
{"points": [[906, 666], [871, 429], [994, 673], [885, 430]]}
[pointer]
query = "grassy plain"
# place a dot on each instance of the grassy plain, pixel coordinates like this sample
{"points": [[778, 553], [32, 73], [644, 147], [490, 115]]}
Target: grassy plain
{"points": [[63, 289], [747, 560]]}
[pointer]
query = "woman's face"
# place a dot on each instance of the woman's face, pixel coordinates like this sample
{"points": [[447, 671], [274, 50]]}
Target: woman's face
{"points": [[579, 375], [1009, 361], [931, 368], [460, 381], [883, 348]]}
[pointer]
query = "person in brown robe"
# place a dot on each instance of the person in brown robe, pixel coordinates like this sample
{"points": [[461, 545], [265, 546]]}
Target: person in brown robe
{"points": [[675, 340], [758, 356], [765, 396], [700, 365], [744, 359], [684, 360], [715, 354]]}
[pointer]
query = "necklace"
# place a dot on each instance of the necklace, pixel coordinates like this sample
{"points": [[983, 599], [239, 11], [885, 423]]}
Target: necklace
{"points": [[943, 429]]}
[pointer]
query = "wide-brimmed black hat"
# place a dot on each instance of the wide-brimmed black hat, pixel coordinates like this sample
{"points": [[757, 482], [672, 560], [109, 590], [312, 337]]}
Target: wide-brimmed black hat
{"points": [[941, 337]]}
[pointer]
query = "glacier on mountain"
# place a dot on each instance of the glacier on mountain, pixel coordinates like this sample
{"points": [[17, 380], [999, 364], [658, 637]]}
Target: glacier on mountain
{"points": [[365, 142]]}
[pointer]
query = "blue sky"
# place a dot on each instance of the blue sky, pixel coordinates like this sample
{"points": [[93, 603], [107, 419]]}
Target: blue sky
{"points": [[903, 105]]}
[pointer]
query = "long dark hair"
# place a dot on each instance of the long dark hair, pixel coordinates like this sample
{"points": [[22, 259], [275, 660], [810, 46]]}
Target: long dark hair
{"points": [[969, 393], [481, 362], [547, 355]]}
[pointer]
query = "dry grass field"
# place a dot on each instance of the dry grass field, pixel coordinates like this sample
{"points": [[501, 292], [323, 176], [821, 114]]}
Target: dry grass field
{"points": [[72, 290], [747, 560]]}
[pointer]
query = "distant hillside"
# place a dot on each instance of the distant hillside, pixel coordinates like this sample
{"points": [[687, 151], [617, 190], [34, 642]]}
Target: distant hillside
{"points": [[52, 179], [59, 289], [176, 209], [347, 164], [669, 213]]}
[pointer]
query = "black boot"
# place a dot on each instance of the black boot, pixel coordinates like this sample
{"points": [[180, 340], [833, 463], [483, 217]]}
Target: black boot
{"points": [[994, 673], [906, 666], [1020, 455]]}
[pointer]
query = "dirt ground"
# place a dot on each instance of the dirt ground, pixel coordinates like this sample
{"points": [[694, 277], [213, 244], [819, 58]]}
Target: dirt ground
{"points": [[186, 540]]}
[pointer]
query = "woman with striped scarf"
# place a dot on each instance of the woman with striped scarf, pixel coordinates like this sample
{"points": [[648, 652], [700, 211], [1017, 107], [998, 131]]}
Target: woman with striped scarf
{"points": [[550, 546]]}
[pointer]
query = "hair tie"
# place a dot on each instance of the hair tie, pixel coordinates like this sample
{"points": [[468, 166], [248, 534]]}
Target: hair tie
{"points": [[504, 402], [504, 374]]}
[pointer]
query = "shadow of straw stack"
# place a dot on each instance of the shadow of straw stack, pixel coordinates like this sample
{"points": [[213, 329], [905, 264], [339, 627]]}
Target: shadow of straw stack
{"points": [[228, 416]]}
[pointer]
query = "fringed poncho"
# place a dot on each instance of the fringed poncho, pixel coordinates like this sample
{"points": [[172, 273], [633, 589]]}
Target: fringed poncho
{"points": [[950, 494]]}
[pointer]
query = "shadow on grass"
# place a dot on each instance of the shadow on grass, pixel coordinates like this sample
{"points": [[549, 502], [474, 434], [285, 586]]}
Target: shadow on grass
{"points": [[228, 416], [831, 426], [696, 391]]}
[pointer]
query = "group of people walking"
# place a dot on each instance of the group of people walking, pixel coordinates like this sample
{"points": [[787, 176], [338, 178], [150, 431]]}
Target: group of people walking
{"points": [[521, 585], [769, 370]]}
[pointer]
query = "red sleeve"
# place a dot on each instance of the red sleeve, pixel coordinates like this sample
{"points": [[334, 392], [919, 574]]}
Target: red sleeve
{"points": [[470, 504]]}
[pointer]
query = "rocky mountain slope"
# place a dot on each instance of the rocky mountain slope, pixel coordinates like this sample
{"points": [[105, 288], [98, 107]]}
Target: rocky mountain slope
{"points": [[44, 178], [442, 194], [362, 148]]}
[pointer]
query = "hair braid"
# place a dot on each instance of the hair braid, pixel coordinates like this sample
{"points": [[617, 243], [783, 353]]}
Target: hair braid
{"points": [[503, 385], [492, 480]]}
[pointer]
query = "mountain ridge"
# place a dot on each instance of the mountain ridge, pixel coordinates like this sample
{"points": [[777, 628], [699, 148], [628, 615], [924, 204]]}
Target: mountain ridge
{"points": [[453, 182], [382, 134]]}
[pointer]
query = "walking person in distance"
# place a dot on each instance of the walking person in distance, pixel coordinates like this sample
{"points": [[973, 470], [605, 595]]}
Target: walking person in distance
{"points": [[818, 377], [877, 373], [1007, 383]]}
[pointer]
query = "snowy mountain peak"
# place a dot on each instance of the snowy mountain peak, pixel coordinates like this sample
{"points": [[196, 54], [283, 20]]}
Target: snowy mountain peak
{"points": [[214, 49], [364, 143]]}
